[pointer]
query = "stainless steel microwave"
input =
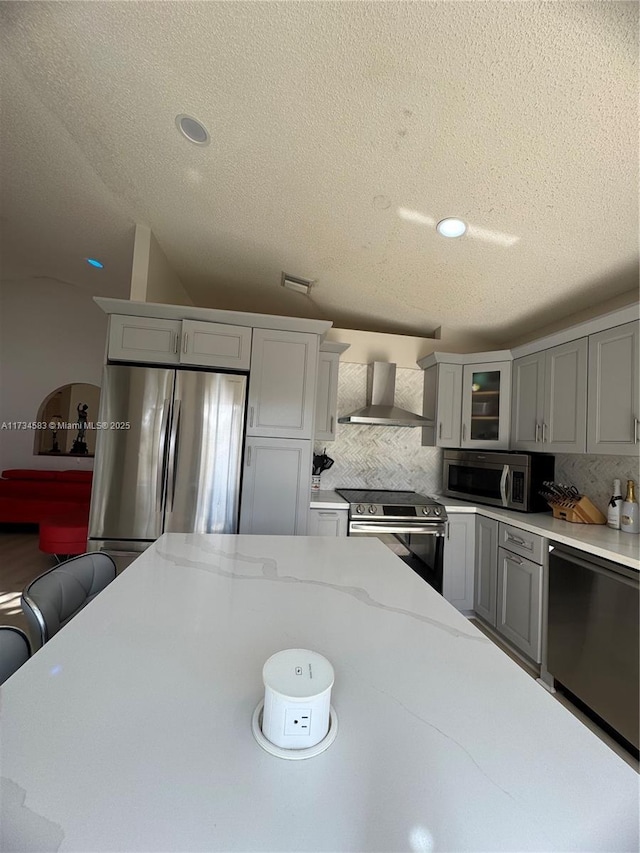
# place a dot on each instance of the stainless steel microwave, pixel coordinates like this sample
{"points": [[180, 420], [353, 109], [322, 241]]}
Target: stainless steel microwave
{"points": [[498, 478]]}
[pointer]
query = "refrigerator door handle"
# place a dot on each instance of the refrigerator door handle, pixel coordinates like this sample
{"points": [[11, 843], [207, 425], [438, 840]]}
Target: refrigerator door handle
{"points": [[173, 452], [161, 453]]}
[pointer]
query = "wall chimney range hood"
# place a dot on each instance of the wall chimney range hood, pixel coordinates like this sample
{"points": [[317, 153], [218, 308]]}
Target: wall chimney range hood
{"points": [[380, 410]]}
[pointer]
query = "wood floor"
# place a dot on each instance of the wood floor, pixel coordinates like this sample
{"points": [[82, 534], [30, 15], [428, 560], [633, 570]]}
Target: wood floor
{"points": [[21, 561]]}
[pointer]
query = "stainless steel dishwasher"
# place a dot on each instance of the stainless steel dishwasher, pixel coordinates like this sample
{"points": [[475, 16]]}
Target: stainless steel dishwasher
{"points": [[592, 639]]}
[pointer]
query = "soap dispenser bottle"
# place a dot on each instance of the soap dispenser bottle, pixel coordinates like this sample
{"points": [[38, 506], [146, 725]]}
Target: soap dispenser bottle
{"points": [[629, 521]]}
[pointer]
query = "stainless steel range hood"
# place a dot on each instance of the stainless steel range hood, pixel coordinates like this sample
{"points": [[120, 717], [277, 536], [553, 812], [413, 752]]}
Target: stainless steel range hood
{"points": [[380, 410]]}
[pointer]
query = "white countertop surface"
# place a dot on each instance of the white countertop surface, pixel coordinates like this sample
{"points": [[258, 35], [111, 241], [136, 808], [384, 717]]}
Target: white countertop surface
{"points": [[131, 729], [597, 539], [327, 499]]}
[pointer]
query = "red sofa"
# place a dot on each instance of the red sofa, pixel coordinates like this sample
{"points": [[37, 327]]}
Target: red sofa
{"points": [[28, 495]]}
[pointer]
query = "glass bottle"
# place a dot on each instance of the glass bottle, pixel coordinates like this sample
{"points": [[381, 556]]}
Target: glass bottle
{"points": [[614, 510], [629, 521]]}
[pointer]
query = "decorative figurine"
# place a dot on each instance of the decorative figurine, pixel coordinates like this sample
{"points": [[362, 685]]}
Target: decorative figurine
{"points": [[80, 444]]}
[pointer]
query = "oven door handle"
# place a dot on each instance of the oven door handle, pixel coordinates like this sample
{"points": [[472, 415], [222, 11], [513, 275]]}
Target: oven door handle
{"points": [[373, 527], [503, 485]]}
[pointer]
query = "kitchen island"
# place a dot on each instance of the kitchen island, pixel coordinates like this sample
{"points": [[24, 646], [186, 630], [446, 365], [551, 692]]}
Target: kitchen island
{"points": [[131, 729]]}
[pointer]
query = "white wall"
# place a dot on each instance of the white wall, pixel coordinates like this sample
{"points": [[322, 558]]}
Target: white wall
{"points": [[152, 278], [51, 334]]}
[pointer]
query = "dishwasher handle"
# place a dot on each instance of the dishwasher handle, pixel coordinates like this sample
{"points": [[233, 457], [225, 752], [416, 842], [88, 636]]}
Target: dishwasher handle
{"points": [[598, 565]]}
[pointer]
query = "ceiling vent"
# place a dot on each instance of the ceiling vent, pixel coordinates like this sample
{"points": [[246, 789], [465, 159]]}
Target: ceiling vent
{"points": [[299, 285]]}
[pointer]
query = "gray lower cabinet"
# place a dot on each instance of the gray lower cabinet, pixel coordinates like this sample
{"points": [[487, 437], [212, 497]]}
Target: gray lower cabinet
{"points": [[519, 602], [613, 425], [486, 561], [457, 571], [328, 522], [276, 484]]}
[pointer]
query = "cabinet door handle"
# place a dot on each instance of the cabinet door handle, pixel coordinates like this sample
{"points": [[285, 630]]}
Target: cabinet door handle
{"points": [[537, 432], [512, 558], [175, 343], [544, 432], [447, 529], [635, 430], [464, 431], [251, 416], [184, 342], [248, 456], [331, 424], [328, 513], [440, 430]]}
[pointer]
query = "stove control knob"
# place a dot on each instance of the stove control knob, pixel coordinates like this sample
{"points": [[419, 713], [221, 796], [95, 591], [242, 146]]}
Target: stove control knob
{"points": [[437, 510], [359, 509], [426, 510], [372, 510]]}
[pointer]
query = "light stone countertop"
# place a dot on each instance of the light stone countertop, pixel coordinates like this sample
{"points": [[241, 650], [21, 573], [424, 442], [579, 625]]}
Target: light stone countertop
{"points": [[131, 728], [327, 499], [596, 539]]}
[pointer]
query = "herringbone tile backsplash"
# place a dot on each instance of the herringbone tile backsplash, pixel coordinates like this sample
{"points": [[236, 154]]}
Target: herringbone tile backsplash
{"points": [[368, 457], [593, 476]]}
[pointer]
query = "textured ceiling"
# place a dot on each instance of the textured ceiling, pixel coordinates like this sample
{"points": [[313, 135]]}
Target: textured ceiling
{"points": [[341, 133]]}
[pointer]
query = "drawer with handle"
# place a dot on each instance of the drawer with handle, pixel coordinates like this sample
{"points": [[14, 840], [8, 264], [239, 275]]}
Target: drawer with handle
{"points": [[518, 541]]}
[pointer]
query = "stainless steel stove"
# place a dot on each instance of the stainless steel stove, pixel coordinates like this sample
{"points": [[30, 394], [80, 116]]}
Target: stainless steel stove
{"points": [[413, 526]]}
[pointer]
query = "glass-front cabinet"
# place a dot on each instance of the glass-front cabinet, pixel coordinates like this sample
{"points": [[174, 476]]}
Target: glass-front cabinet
{"points": [[486, 404]]}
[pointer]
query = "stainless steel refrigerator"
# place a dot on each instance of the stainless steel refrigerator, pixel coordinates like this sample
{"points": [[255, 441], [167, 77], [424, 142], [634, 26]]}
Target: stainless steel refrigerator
{"points": [[168, 457]]}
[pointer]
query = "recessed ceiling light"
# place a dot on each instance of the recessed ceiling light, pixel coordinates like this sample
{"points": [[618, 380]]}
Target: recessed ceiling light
{"points": [[193, 130], [94, 263], [451, 227]]}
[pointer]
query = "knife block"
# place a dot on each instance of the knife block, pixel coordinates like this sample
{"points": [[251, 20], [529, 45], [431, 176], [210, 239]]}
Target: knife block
{"points": [[579, 511]]}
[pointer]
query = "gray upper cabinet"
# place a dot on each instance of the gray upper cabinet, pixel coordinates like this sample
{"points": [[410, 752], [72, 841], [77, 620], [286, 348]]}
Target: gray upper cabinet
{"points": [[486, 551], [442, 403], [275, 486], [327, 395], [486, 405], [215, 345], [282, 385], [527, 402], [549, 408], [144, 339], [614, 410], [151, 340]]}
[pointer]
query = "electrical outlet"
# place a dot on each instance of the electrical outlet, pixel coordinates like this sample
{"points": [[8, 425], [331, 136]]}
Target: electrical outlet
{"points": [[297, 721]]}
